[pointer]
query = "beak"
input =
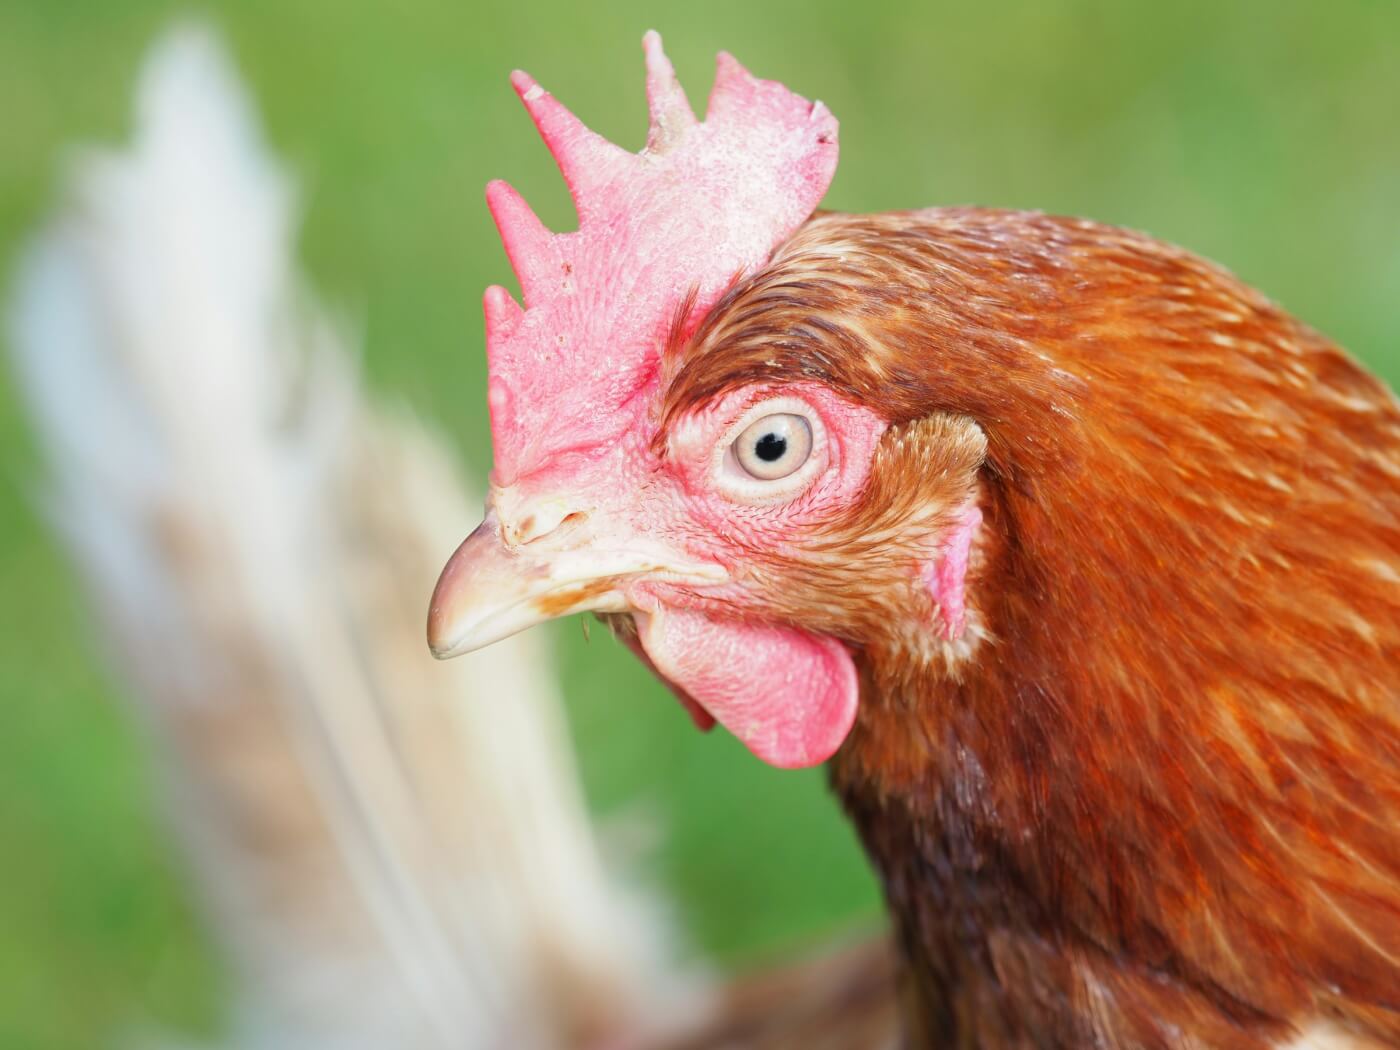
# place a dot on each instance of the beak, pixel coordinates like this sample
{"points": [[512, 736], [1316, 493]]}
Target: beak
{"points": [[492, 589]]}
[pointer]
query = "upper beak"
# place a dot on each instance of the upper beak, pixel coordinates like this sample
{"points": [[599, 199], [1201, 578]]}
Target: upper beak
{"points": [[492, 589]]}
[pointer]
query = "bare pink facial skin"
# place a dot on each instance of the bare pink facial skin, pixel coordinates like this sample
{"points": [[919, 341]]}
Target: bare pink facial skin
{"points": [[590, 507], [790, 696]]}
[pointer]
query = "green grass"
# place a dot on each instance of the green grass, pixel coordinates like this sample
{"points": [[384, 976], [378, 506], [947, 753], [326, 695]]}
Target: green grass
{"points": [[1265, 135]]}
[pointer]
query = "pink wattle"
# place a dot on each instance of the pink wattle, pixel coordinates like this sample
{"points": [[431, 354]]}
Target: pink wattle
{"points": [[789, 696], [704, 721]]}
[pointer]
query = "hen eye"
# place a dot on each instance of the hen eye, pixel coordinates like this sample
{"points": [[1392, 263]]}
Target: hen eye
{"points": [[774, 446]]}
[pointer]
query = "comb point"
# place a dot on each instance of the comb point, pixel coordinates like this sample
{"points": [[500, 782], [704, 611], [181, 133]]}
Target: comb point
{"points": [[585, 159], [528, 242], [735, 90], [671, 115], [503, 315]]}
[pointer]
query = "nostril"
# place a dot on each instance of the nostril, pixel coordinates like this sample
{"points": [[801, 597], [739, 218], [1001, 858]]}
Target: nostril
{"points": [[542, 525], [530, 532]]}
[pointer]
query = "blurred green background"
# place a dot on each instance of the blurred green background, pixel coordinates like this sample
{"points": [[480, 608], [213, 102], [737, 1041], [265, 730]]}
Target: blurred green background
{"points": [[1264, 135]]}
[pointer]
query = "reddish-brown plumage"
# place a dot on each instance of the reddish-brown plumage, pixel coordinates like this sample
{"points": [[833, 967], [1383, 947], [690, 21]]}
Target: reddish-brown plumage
{"points": [[1153, 795]]}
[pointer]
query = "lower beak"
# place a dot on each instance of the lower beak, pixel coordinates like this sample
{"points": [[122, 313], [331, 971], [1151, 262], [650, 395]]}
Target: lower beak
{"points": [[491, 590]]}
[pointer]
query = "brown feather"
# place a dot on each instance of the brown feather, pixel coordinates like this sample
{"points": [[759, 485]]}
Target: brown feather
{"points": [[1152, 796]]}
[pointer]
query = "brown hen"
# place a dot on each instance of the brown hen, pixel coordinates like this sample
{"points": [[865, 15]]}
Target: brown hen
{"points": [[1078, 558], [1155, 803]]}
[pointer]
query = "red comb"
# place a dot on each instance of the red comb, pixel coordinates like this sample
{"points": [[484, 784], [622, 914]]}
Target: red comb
{"points": [[703, 202]]}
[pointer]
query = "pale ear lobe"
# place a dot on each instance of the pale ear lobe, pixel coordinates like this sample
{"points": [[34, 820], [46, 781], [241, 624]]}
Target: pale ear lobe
{"points": [[945, 574]]}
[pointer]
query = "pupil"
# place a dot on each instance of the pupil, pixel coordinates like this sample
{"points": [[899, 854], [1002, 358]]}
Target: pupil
{"points": [[770, 447]]}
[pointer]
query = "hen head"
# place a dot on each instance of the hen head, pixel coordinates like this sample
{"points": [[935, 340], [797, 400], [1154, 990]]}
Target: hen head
{"points": [[709, 513]]}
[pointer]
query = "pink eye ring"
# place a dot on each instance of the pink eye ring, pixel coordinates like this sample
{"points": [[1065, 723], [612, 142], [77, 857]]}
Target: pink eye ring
{"points": [[774, 447]]}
